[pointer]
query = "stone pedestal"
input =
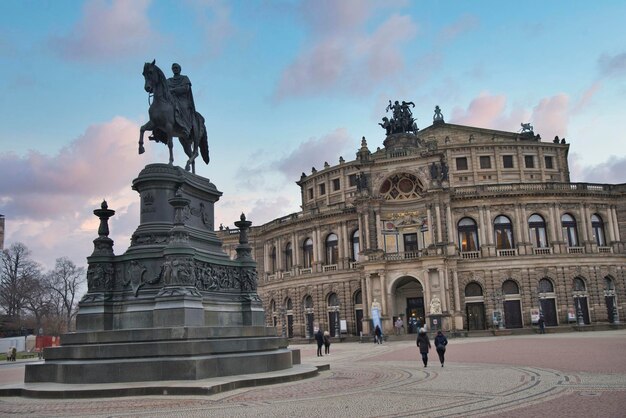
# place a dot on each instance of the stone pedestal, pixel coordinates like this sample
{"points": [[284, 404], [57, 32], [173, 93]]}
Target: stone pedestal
{"points": [[174, 305]]}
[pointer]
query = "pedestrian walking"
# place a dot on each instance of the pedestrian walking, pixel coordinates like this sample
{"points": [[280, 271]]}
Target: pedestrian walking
{"points": [[424, 345], [440, 345], [326, 342], [398, 326], [378, 335], [319, 338], [542, 324]]}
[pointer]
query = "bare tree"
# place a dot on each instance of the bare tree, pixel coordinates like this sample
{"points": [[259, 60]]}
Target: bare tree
{"points": [[64, 283], [18, 272], [39, 303]]}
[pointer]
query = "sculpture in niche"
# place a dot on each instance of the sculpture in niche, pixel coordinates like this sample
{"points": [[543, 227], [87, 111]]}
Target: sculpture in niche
{"points": [[435, 306]]}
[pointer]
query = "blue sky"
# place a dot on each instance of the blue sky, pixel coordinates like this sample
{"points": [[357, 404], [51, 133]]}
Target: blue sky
{"points": [[284, 86]]}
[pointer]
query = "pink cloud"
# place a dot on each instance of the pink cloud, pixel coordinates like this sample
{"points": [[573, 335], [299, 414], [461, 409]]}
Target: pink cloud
{"points": [[107, 30], [342, 53], [101, 161], [483, 111], [49, 200], [551, 116]]}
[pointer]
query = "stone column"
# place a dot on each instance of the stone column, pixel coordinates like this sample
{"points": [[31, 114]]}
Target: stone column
{"points": [[366, 231], [450, 225], [518, 227], [482, 226], [438, 215], [379, 232], [584, 222], [613, 217], [442, 291], [553, 224], [429, 216], [489, 228], [457, 293]]}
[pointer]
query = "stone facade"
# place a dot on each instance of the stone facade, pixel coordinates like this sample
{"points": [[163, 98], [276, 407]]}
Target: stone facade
{"points": [[455, 227]]}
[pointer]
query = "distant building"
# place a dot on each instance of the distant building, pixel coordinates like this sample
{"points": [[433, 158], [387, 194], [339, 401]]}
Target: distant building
{"points": [[1, 232], [453, 226]]}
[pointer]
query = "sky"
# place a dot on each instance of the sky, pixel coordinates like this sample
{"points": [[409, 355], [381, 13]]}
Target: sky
{"points": [[284, 86]]}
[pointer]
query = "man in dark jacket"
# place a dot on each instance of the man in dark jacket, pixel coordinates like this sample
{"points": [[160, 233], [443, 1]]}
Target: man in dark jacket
{"points": [[424, 345], [319, 338], [440, 344]]}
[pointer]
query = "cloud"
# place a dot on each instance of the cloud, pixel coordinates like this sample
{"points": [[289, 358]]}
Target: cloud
{"points": [[107, 30], [551, 116], [343, 51], [465, 24], [611, 171], [213, 17], [314, 152], [488, 111], [48, 201], [612, 65]]}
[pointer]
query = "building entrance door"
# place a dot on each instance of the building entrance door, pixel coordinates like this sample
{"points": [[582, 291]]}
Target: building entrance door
{"points": [[359, 321], [610, 301], [333, 323], [512, 314], [290, 326], [310, 332], [475, 316], [548, 308], [415, 314]]}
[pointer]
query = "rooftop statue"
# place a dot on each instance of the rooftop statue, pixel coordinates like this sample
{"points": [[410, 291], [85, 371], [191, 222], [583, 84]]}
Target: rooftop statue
{"points": [[402, 120], [438, 117], [526, 127], [173, 114]]}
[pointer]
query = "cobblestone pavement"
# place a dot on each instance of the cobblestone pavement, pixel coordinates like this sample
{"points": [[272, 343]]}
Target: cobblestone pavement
{"points": [[561, 375]]}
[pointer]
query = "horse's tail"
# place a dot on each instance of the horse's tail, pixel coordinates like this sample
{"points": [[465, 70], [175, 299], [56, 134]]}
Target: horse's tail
{"points": [[204, 141]]}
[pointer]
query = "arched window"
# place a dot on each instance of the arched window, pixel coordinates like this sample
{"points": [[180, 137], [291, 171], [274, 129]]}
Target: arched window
{"points": [[358, 298], [537, 231], [307, 253], [468, 235], [579, 285], [598, 230], [473, 289], [289, 304], [333, 300], [510, 287], [308, 302], [273, 306], [503, 232], [288, 257], [356, 249], [332, 249], [401, 187], [608, 283], [273, 260], [545, 286], [570, 232]]}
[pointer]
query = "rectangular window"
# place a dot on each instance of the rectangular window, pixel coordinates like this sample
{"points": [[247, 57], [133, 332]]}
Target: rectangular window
{"points": [[311, 194], [507, 161], [410, 243], [391, 243], [548, 160], [529, 161], [485, 161], [352, 180], [461, 163], [336, 185], [322, 189]]}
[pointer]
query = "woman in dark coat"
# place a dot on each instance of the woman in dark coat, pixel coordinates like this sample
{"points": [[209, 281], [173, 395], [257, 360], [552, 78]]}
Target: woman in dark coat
{"points": [[319, 338], [424, 345], [440, 344], [378, 335]]}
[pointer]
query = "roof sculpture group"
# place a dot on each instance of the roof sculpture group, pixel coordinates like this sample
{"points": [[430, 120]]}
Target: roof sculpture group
{"points": [[402, 120]]}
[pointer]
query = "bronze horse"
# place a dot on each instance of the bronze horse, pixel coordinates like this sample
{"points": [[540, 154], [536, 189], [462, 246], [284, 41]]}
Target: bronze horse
{"points": [[163, 124]]}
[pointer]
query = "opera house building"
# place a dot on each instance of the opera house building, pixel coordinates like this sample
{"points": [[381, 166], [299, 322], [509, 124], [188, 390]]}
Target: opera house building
{"points": [[450, 227]]}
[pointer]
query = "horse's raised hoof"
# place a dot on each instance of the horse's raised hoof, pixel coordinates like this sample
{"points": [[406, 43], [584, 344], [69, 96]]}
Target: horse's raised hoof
{"points": [[141, 149]]}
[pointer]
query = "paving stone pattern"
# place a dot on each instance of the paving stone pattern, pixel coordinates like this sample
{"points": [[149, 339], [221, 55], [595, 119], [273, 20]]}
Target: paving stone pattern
{"points": [[560, 375]]}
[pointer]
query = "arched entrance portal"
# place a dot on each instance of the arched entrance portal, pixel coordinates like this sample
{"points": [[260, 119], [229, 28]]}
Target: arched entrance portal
{"points": [[409, 303]]}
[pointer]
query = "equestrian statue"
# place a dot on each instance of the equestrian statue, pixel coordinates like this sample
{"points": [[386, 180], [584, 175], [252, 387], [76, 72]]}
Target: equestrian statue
{"points": [[173, 114]]}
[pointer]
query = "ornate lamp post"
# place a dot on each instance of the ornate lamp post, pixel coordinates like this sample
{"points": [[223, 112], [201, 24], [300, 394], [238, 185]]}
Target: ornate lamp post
{"points": [[610, 293], [580, 320], [336, 311]]}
